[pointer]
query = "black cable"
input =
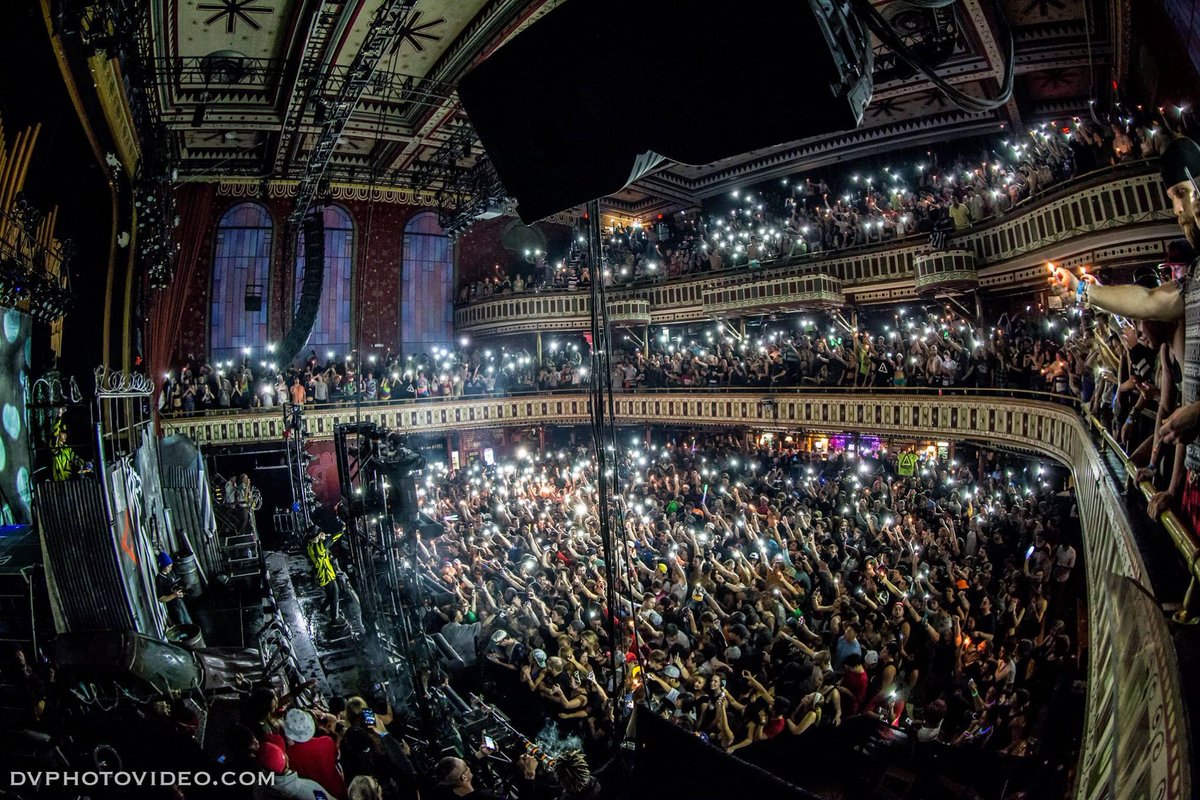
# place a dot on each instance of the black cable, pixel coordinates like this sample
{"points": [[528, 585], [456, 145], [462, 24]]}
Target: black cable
{"points": [[976, 105], [620, 552], [599, 394]]}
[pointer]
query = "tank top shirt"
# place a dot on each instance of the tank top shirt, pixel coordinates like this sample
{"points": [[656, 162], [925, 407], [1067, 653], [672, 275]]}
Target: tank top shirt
{"points": [[1189, 287]]}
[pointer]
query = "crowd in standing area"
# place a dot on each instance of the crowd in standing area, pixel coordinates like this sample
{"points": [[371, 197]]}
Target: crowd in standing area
{"points": [[770, 592]]}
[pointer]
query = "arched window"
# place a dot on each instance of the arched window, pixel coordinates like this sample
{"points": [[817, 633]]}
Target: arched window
{"points": [[426, 286], [240, 281], [331, 331]]}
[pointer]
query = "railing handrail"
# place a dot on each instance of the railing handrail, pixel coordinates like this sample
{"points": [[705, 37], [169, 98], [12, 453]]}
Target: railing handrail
{"points": [[1031, 203], [914, 391], [1185, 540]]}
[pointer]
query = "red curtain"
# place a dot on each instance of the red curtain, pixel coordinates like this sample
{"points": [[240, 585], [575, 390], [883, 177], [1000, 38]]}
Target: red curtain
{"points": [[194, 203]]}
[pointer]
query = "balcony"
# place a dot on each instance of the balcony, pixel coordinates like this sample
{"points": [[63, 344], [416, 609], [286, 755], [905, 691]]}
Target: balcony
{"points": [[945, 270], [1105, 217], [1135, 739], [775, 294]]}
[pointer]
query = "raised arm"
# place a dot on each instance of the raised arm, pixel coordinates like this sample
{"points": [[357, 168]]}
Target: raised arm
{"points": [[1163, 303]]}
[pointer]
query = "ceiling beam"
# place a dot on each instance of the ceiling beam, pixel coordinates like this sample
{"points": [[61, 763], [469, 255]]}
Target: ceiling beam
{"points": [[322, 17], [985, 29], [379, 40]]}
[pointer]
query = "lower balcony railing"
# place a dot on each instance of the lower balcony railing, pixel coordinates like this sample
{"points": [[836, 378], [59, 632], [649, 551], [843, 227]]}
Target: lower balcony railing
{"points": [[1135, 741]]}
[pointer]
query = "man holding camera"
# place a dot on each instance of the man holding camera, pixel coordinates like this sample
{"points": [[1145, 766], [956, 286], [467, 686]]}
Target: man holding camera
{"points": [[169, 591]]}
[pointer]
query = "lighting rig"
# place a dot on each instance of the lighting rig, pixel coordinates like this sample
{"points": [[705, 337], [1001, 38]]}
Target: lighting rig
{"points": [[466, 192], [34, 268], [121, 29], [380, 38], [157, 219], [296, 440], [376, 476]]}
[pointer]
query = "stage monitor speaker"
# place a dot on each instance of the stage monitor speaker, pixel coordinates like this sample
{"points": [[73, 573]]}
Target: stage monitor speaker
{"points": [[253, 299], [404, 503], [585, 101]]}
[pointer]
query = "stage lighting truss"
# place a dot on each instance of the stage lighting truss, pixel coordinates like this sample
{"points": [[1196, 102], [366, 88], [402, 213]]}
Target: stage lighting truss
{"points": [[378, 41], [122, 29], [157, 219], [34, 267], [468, 187]]}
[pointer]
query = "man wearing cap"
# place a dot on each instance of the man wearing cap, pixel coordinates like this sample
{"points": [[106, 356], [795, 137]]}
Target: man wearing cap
{"points": [[1178, 300], [288, 785], [667, 680], [169, 591], [312, 756], [539, 658]]}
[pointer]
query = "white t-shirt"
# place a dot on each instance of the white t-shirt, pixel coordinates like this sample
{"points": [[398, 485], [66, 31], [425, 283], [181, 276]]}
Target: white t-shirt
{"points": [[1064, 562], [949, 370]]}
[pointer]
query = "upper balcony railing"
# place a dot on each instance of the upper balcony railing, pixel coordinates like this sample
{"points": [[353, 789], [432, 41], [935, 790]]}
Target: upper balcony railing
{"points": [[1109, 215], [1136, 742]]}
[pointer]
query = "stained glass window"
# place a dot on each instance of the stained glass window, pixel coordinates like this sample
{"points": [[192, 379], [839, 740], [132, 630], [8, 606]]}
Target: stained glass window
{"points": [[331, 331], [241, 269], [426, 286]]}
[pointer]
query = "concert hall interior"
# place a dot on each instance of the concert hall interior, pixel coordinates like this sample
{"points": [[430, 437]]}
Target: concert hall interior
{"points": [[566, 400]]}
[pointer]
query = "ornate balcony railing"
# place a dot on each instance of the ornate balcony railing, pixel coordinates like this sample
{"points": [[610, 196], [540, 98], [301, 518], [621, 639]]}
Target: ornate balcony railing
{"points": [[1104, 217], [1135, 740]]}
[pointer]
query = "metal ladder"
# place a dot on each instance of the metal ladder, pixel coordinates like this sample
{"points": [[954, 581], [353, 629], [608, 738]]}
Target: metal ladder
{"points": [[240, 549]]}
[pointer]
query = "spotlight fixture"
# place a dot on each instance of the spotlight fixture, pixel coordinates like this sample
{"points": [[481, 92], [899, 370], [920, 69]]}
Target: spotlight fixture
{"points": [[157, 220], [33, 275]]}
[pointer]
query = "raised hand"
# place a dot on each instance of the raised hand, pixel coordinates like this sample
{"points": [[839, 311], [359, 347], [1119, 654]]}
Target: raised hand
{"points": [[1062, 283]]}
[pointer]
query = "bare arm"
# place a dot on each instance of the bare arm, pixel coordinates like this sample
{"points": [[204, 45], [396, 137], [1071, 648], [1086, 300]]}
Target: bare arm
{"points": [[1163, 303]]}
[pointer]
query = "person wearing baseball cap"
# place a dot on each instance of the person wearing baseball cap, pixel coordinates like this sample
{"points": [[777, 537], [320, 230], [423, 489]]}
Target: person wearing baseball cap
{"points": [[312, 756], [169, 591], [539, 658], [288, 785]]}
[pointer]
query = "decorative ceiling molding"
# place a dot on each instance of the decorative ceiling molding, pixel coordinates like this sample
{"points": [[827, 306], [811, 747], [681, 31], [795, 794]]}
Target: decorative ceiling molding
{"points": [[398, 122], [359, 192]]}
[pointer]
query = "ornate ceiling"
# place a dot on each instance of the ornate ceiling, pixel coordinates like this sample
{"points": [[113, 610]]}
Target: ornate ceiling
{"points": [[244, 87]]}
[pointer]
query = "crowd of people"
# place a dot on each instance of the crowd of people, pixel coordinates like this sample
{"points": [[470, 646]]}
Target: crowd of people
{"points": [[441, 372], [801, 216], [769, 592], [1032, 350], [934, 196], [914, 350]]}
